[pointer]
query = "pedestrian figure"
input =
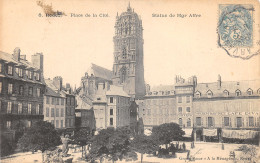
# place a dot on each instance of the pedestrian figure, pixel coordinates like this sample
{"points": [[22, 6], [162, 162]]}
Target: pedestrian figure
{"points": [[188, 155], [193, 144], [184, 146]]}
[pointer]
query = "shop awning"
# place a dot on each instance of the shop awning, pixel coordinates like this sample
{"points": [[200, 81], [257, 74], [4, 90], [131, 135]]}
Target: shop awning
{"points": [[210, 132], [188, 132], [239, 134]]}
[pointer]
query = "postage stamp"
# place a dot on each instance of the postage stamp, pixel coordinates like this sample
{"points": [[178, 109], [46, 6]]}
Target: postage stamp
{"points": [[236, 30]]}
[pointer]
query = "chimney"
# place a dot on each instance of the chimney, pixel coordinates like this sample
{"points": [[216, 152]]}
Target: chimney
{"points": [[219, 81], [16, 54], [100, 86], [68, 88], [107, 85], [37, 61], [57, 82], [195, 81]]}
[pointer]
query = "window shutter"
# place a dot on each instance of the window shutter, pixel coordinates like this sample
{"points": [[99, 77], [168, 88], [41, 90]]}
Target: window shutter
{"points": [[223, 122], [206, 121], [247, 121], [230, 125], [235, 120], [243, 121], [213, 123], [258, 119], [201, 121]]}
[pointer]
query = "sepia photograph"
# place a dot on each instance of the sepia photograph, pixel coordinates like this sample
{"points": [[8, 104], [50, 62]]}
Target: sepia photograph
{"points": [[114, 81]]}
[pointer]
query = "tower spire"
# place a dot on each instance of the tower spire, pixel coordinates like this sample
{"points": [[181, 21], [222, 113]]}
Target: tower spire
{"points": [[129, 8]]}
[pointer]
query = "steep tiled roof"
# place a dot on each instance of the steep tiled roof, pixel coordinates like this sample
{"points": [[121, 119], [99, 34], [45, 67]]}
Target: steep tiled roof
{"points": [[52, 90], [230, 86], [161, 90], [117, 91], [23, 63], [9, 58], [101, 72], [82, 103]]}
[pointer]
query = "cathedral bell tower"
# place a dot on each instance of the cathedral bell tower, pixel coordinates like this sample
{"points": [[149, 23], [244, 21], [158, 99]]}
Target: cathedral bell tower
{"points": [[128, 68]]}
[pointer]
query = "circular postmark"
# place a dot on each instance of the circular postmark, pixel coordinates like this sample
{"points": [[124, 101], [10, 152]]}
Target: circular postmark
{"points": [[235, 30]]}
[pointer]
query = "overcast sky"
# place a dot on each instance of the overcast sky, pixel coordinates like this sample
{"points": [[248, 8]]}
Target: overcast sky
{"points": [[172, 46]]}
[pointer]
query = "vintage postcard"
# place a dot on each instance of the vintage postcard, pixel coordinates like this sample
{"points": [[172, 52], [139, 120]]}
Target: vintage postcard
{"points": [[130, 81]]}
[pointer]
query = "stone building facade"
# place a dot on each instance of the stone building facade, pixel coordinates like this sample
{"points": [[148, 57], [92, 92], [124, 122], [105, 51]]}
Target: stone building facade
{"points": [[21, 87], [85, 117], [232, 105], [54, 105], [111, 107], [158, 106], [60, 104]]}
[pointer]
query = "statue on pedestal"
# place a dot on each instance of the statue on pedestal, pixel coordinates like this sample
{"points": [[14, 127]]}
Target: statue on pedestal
{"points": [[65, 146]]}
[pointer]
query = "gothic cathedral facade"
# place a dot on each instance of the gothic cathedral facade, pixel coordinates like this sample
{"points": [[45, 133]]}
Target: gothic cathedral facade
{"points": [[128, 67]]}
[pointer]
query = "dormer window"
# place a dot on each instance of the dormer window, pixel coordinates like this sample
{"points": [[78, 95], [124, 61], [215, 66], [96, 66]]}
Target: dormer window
{"points": [[226, 93], [250, 91], [209, 94], [20, 72], [238, 92], [197, 94], [10, 70], [29, 74], [37, 76]]}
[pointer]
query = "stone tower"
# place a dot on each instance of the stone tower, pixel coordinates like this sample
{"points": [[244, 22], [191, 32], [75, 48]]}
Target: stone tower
{"points": [[128, 68]]}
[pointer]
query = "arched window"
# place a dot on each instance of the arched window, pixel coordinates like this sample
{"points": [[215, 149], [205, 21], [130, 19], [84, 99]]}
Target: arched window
{"points": [[122, 75], [249, 91], [258, 91], [238, 92]]}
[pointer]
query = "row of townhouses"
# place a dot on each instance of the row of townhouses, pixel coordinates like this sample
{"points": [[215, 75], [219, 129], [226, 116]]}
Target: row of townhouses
{"points": [[219, 109], [26, 97]]}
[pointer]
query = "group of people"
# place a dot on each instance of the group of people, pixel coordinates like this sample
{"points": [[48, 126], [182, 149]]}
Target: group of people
{"points": [[173, 148]]}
